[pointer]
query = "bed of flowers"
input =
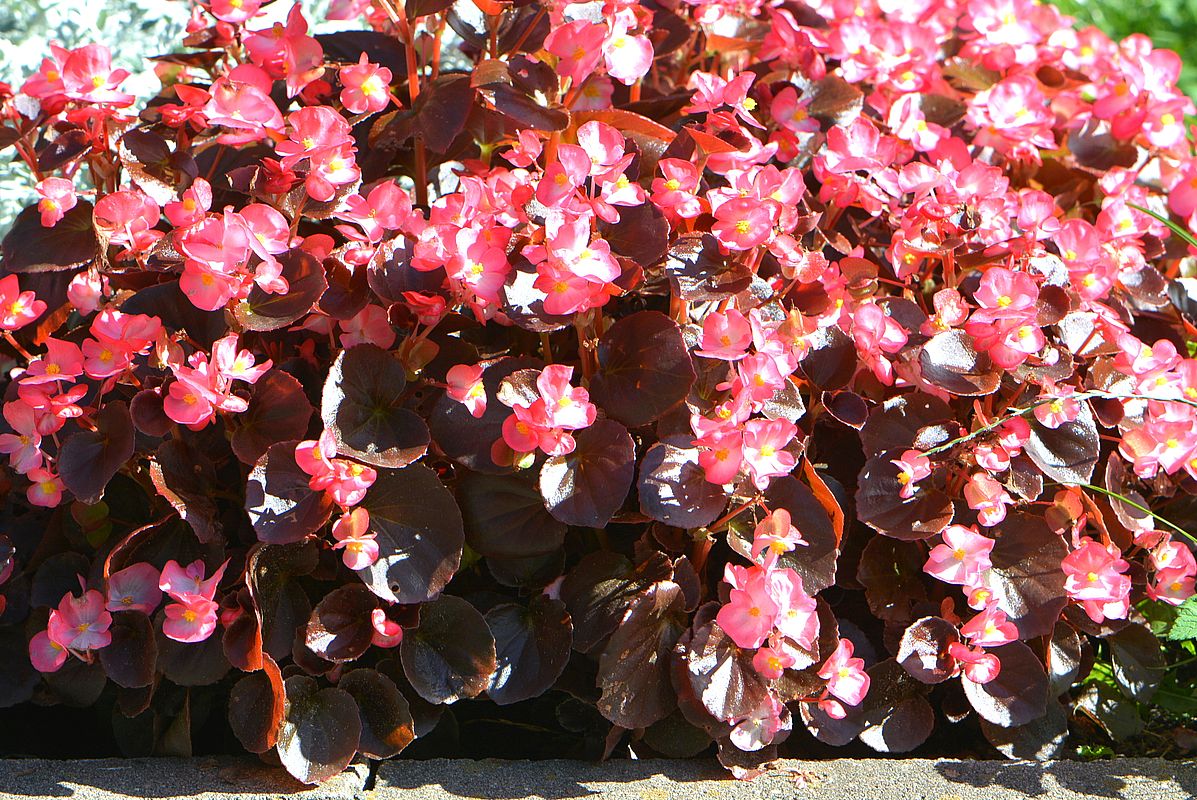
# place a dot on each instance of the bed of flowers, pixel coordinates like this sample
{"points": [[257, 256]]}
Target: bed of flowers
{"points": [[681, 375]]}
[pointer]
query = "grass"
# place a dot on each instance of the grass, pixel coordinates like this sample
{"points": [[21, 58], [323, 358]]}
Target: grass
{"points": [[1171, 24]]}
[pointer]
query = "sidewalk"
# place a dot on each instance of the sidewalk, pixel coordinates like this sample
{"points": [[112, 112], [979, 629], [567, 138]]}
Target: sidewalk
{"points": [[871, 779]]}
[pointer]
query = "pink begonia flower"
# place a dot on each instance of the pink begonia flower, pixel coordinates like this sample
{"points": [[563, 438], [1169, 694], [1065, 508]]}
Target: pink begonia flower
{"points": [[723, 456], [315, 457], [180, 582], [749, 614], [913, 466], [797, 612], [45, 654], [725, 335], [45, 489], [352, 534], [846, 679], [192, 619], [311, 130], [987, 497], [85, 291], [674, 193], [1060, 409], [791, 112], [771, 663], [235, 12], [87, 75], [387, 632], [191, 207], [81, 623], [566, 406], [764, 449], [466, 387], [1094, 578], [526, 149], [1173, 586], [774, 535], [371, 325], [188, 404], [286, 52], [990, 628], [233, 364], [17, 308], [761, 727], [57, 198], [347, 9], [47, 81], [876, 335], [23, 446], [578, 46], [979, 666], [1005, 294], [328, 169], [241, 100], [962, 558], [742, 223], [63, 361], [134, 588], [627, 57], [128, 218]]}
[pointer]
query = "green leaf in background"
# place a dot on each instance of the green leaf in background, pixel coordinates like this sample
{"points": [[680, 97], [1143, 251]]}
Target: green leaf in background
{"points": [[1185, 626]]}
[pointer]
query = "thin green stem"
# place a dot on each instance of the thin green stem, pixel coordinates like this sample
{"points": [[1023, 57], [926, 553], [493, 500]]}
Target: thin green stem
{"points": [[1142, 508]]}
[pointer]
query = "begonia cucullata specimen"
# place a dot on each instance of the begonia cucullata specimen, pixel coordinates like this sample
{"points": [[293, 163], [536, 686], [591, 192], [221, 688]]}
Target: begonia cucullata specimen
{"points": [[689, 372]]}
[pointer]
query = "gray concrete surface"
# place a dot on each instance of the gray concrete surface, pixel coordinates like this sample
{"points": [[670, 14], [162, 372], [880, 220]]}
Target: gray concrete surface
{"points": [[874, 779]]}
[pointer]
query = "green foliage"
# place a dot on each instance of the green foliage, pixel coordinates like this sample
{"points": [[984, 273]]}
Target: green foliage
{"points": [[1185, 625], [1171, 24]]}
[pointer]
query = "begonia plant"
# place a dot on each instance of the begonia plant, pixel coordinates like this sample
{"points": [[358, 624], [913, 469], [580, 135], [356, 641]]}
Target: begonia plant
{"points": [[695, 374]]}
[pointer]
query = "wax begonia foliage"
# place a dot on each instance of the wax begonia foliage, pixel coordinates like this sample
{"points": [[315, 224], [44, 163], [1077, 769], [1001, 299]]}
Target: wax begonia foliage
{"points": [[682, 374]]}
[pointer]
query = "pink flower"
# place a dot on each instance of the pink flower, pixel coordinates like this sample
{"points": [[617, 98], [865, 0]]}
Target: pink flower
{"points": [[979, 666], [81, 623], [466, 387], [749, 614], [764, 449], [23, 446], [241, 100], [962, 558], [387, 632], [188, 404], [128, 218], [352, 534], [913, 466], [134, 588], [63, 361], [192, 206], [366, 87], [566, 406], [742, 223], [285, 51], [87, 75], [17, 308], [1094, 577], [987, 497], [370, 325], [235, 12], [85, 291], [877, 335], [675, 194], [1005, 294], [578, 46], [180, 582], [315, 457], [723, 455], [771, 663], [725, 335], [348, 482], [1056, 406], [628, 58], [45, 654], [45, 488], [774, 535], [58, 197], [797, 612], [192, 619], [990, 628], [761, 727], [846, 679]]}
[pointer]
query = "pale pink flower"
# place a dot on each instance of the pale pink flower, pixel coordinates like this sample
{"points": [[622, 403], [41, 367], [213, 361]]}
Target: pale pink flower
{"points": [[913, 466], [774, 535], [990, 628], [725, 335], [57, 198], [17, 308], [987, 497], [45, 488], [134, 588], [366, 87], [846, 679], [764, 449], [979, 666], [771, 663], [962, 558], [749, 614], [466, 387], [352, 534], [191, 619], [81, 623]]}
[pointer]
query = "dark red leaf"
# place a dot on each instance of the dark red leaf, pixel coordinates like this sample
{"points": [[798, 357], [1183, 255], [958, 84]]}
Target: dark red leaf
{"points": [[278, 411], [532, 647], [262, 311], [387, 725], [187, 479], [589, 485], [131, 657], [256, 706], [674, 490], [340, 628], [89, 459], [320, 730], [30, 247], [1017, 695], [451, 656], [281, 505], [644, 368], [505, 517]]}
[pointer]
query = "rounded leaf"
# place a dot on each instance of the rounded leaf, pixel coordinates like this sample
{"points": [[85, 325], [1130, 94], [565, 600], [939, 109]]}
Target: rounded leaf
{"points": [[363, 406], [532, 647], [131, 657], [880, 505], [587, 487], [674, 490], [505, 517], [1017, 695], [306, 282], [1067, 454], [340, 628], [451, 656], [90, 458], [923, 650], [320, 730], [387, 725], [256, 706], [278, 411], [644, 368], [1026, 579], [418, 527]]}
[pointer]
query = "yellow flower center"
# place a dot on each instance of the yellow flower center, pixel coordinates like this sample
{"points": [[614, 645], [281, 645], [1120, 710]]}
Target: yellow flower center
{"points": [[673, 184], [742, 226]]}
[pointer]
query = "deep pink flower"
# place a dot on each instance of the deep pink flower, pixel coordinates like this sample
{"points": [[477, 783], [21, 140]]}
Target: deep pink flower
{"points": [[57, 198], [134, 588], [749, 614], [962, 558], [913, 466], [764, 449], [45, 654], [979, 666], [17, 308], [387, 632], [742, 224], [723, 455], [180, 582], [725, 335], [1094, 577], [774, 535], [352, 532], [846, 679], [466, 387], [1056, 406], [192, 619], [45, 488], [23, 445], [771, 663], [81, 623], [990, 628], [987, 497], [87, 75]]}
